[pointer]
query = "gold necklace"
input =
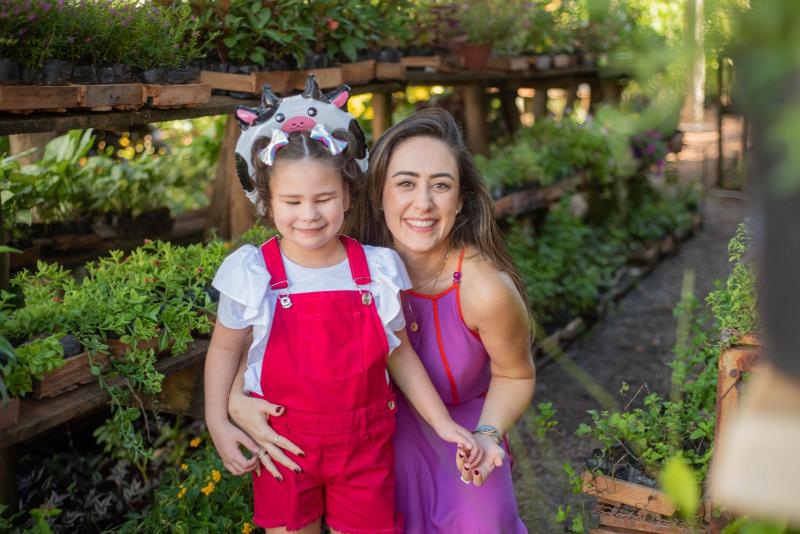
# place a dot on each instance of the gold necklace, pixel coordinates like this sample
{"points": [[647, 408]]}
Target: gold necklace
{"points": [[414, 326]]}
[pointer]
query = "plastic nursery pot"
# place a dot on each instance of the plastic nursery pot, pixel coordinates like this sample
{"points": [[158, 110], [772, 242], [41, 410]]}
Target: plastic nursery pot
{"points": [[105, 75], [9, 71], [475, 55], [84, 74], [183, 75], [57, 72], [317, 61], [31, 76], [123, 73], [543, 61], [155, 75], [388, 55]]}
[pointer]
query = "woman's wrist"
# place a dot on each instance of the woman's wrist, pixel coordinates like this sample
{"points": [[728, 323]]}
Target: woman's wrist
{"points": [[489, 430]]}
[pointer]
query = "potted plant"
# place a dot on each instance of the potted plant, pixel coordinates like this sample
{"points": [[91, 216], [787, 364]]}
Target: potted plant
{"points": [[488, 24]]}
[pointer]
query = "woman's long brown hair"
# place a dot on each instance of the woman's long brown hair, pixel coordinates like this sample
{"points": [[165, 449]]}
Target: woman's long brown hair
{"points": [[475, 224]]}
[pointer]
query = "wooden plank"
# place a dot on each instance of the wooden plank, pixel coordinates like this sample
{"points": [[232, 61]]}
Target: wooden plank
{"points": [[74, 373], [733, 364], [359, 73], [326, 78], [614, 491], [279, 81], [127, 96], [243, 83], [624, 523], [181, 393], [37, 416], [508, 63], [167, 96], [34, 97], [415, 62], [534, 198], [390, 71]]}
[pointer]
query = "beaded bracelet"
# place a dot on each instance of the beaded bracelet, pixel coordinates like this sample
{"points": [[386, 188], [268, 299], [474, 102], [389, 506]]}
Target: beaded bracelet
{"points": [[489, 430]]}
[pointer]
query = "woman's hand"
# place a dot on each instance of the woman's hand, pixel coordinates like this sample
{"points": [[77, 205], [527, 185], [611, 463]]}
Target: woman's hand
{"points": [[251, 415], [494, 456]]}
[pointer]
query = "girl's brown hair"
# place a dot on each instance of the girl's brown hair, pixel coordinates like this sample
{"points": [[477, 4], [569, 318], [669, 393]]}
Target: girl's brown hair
{"points": [[301, 146], [475, 224]]}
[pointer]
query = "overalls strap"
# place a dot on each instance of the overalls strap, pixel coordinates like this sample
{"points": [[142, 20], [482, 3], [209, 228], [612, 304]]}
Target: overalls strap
{"points": [[358, 261], [271, 252]]}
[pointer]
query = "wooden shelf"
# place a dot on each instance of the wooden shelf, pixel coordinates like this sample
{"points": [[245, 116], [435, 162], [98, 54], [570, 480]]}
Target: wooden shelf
{"points": [[220, 105], [37, 416]]}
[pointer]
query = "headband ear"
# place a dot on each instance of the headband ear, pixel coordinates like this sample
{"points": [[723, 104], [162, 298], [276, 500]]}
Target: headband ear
{"points": [[339, 97], [246, 116]]}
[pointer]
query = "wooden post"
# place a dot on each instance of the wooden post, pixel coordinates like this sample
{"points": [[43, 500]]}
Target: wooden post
{"points": [[721, 182], [572, 95], [382, 114], [231, 213], [508, 104], [611, 90], [540, 102], [475, 112]]}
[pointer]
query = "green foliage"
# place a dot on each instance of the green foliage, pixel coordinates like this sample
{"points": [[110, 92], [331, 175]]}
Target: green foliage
{"points": [[544, 420], [653, 434], [735, 304], [143, 34], [33, 360], [680, 484], [197, 496]]}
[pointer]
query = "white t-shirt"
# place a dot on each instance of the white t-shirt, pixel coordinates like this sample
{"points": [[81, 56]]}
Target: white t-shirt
{"points": [[247, 300]]}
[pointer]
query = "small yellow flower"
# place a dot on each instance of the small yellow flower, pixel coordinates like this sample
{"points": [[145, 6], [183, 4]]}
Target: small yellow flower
{"points": [[246, 528], [184, 467], [208, 489], [182, 492], [216, 475], [195, 442]]}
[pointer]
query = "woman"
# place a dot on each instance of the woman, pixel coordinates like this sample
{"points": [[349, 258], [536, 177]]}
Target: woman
{"points": [[466, 316]]}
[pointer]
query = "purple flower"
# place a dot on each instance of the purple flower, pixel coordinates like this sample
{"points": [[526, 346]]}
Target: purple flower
{"points": [[46, 7], [32, 16], [649, 149], [60, 4]]}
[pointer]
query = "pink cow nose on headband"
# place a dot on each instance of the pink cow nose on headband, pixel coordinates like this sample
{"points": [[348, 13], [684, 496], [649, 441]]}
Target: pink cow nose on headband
{"points": [[298, 124]]}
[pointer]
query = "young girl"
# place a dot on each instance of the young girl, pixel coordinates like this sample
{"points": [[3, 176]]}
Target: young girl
{"points": [[324, 313]]}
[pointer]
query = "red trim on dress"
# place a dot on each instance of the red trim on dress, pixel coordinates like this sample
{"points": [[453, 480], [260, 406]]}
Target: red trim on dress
{"points": [[445, 363], [457, 284]]}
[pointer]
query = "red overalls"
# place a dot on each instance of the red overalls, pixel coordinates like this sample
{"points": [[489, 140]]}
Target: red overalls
{"points": [[325, 362]]}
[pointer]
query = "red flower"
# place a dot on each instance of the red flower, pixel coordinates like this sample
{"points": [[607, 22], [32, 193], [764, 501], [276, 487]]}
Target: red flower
{"points": [[58, 299], [332, 24]]}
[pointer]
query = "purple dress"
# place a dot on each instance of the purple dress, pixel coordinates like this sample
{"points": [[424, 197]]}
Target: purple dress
{"points": [[430, 495]]}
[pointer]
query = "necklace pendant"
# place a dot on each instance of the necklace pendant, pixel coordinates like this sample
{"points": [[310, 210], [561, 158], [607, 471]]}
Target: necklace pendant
{"points": [[366, 298], [286, 302], [413, 326]]}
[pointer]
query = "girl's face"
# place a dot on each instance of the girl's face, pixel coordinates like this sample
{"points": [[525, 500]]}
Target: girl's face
{"points": [[421, 195], [308, 202]]}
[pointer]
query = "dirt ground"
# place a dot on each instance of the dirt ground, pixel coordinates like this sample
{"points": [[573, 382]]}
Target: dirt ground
{"points": [[632, 343]]}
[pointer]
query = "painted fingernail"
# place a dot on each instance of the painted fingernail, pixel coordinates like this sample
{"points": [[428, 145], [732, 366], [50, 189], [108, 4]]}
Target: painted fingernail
{"points": [[301, 453], [279, 410], [461, 455], [476, 472], [280, 478], [296, 469], [466, 468]]}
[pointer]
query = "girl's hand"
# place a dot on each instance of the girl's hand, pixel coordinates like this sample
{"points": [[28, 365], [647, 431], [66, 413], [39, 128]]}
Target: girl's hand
{"points": [[494, 455], [227, 438], [251, 415], [452, 432]]}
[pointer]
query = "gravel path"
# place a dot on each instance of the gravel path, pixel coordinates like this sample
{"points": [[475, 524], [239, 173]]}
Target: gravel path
{"points": [[632, 343]]}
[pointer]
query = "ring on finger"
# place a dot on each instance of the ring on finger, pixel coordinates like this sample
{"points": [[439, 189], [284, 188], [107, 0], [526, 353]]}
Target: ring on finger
{"points": [[465, 481], [275, 439], [261, 454]]}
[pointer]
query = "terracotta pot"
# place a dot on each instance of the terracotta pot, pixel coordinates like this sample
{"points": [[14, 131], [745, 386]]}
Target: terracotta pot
{"points": [[475, 55]]}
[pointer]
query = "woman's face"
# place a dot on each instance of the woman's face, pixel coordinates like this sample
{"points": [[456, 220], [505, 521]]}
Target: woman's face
{"points": [[421, 195]]}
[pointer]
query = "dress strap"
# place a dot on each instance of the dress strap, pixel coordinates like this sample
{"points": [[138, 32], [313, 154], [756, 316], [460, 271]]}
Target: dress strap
{"points": [[271, 252], [359, 268], [457, 272]]}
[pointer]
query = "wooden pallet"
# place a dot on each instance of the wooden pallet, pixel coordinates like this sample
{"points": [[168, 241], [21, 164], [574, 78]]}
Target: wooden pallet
{"points": [[390, 71], [734, 363], [619, 492], [619, 520], [359, 73], [508, 63], [434, 63], [74, 373], [279, 81], [125, 97], [326, 78], [177, 96]]}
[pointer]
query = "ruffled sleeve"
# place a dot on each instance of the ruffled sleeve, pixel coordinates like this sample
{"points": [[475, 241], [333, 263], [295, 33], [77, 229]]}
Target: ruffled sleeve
{"points": [[389, 278], [243, 282]]}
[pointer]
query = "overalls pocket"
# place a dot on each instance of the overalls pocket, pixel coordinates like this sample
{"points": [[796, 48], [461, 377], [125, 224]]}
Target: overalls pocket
{"points": [[328, 345]]}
